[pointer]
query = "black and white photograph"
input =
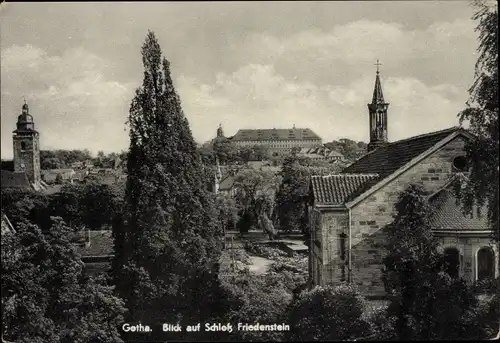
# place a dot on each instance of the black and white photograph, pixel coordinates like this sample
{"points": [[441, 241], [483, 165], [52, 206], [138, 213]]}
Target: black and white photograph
{"points": [[249, 171]]}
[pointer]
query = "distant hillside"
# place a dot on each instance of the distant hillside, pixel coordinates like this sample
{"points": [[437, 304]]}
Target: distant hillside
{"points": [[351, 150]]}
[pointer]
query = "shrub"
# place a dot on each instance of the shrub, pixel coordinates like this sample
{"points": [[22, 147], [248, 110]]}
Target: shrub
{"points": [[328, 313]]}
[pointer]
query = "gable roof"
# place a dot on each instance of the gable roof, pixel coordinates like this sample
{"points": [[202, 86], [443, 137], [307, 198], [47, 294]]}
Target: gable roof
{"points": [[337, 189], [274, 134], [448, 214], [387, 159], [14, 180], [395, 158]]}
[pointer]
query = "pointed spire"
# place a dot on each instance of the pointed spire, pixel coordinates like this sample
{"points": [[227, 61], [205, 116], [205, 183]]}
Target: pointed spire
{"points": [[378, 96]]}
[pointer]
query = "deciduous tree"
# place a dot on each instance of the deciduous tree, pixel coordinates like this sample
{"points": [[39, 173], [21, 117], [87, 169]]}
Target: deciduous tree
{"points": [[46, 296], [481, 187], [427, 302], [328, 314]]}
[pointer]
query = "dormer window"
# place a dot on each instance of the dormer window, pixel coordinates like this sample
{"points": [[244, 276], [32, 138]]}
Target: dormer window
{"points": [[460, 163]]}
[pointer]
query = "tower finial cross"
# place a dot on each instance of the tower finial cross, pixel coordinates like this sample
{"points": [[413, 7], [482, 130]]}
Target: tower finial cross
{"points": [[24, 98], [378, 64]]}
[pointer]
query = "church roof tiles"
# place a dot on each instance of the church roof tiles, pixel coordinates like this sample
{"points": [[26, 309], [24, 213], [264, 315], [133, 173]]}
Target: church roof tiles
{"points": [[337, 189], [448, 214], [389, 158]]}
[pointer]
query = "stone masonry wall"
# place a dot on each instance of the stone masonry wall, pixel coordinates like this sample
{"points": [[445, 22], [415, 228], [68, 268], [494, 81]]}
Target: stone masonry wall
{"points": [[30, 157], [468, 248], [373, 213], [334, 266]]}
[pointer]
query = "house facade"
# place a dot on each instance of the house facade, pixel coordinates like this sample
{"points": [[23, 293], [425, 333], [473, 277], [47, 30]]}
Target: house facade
{"points": [[321, 154], [279, 142], [348, 211]]}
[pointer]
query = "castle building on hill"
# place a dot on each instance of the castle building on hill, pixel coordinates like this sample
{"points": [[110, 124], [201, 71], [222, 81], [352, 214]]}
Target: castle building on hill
{"points": [[280, 142], [348, 211], [26, 173]]}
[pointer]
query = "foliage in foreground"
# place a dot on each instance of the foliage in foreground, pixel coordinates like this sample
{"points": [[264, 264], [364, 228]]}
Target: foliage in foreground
{"points": [[481, 187], [328, 314], [46, 296], [426, 301], [167, 245]]}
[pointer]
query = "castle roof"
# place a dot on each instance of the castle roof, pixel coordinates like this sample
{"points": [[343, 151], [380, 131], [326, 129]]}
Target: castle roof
{"points": [[337, 189], [275, 135]]}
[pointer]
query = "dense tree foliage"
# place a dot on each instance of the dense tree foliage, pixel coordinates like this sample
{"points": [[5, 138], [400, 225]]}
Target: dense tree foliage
{"points": [[328, 314], [229, 153], [168, 243], [92, 205], [427, 302], [46, 296], [256, 190], [481, 187], [351, 150], [294, 189], [55, 159], [259, 299]]}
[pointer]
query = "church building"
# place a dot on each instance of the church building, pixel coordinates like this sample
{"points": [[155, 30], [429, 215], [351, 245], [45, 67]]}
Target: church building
{"points": [[26, 171], [347, 211]]}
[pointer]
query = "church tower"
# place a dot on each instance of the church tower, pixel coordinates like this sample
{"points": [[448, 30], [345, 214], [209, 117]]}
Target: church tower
{"points": [[220, 132], [378, 116], [27, 148]]}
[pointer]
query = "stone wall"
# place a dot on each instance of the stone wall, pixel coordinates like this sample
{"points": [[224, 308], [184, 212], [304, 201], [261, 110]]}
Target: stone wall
{"points": [[373, 213], [334, 246], [468, 248], [29, 157]]}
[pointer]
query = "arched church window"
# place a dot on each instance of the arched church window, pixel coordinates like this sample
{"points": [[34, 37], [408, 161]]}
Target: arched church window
{"points": [[452, 262], [460, 163], [23, 145], [485, 263]]}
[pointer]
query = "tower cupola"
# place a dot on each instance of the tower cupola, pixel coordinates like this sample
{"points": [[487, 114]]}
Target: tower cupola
{"points": [[378, 115], [25, 120]]}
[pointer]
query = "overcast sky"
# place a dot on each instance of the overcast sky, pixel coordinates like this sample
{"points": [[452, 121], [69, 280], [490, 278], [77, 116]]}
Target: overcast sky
{"points": [[242, 64]]}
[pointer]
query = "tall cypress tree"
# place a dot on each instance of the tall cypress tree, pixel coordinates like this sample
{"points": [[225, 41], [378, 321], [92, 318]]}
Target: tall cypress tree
{"points": [[168, 242]]}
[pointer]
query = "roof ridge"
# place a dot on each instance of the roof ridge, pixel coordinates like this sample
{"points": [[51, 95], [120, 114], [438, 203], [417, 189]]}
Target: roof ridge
{"points": [[450, 129], [446, 185], [348, 175]]}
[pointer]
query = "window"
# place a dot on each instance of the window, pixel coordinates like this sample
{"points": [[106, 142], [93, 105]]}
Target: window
{"points": [[485, 263], [342, 241], [452, 262], [23, 145], [460, 163]]}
